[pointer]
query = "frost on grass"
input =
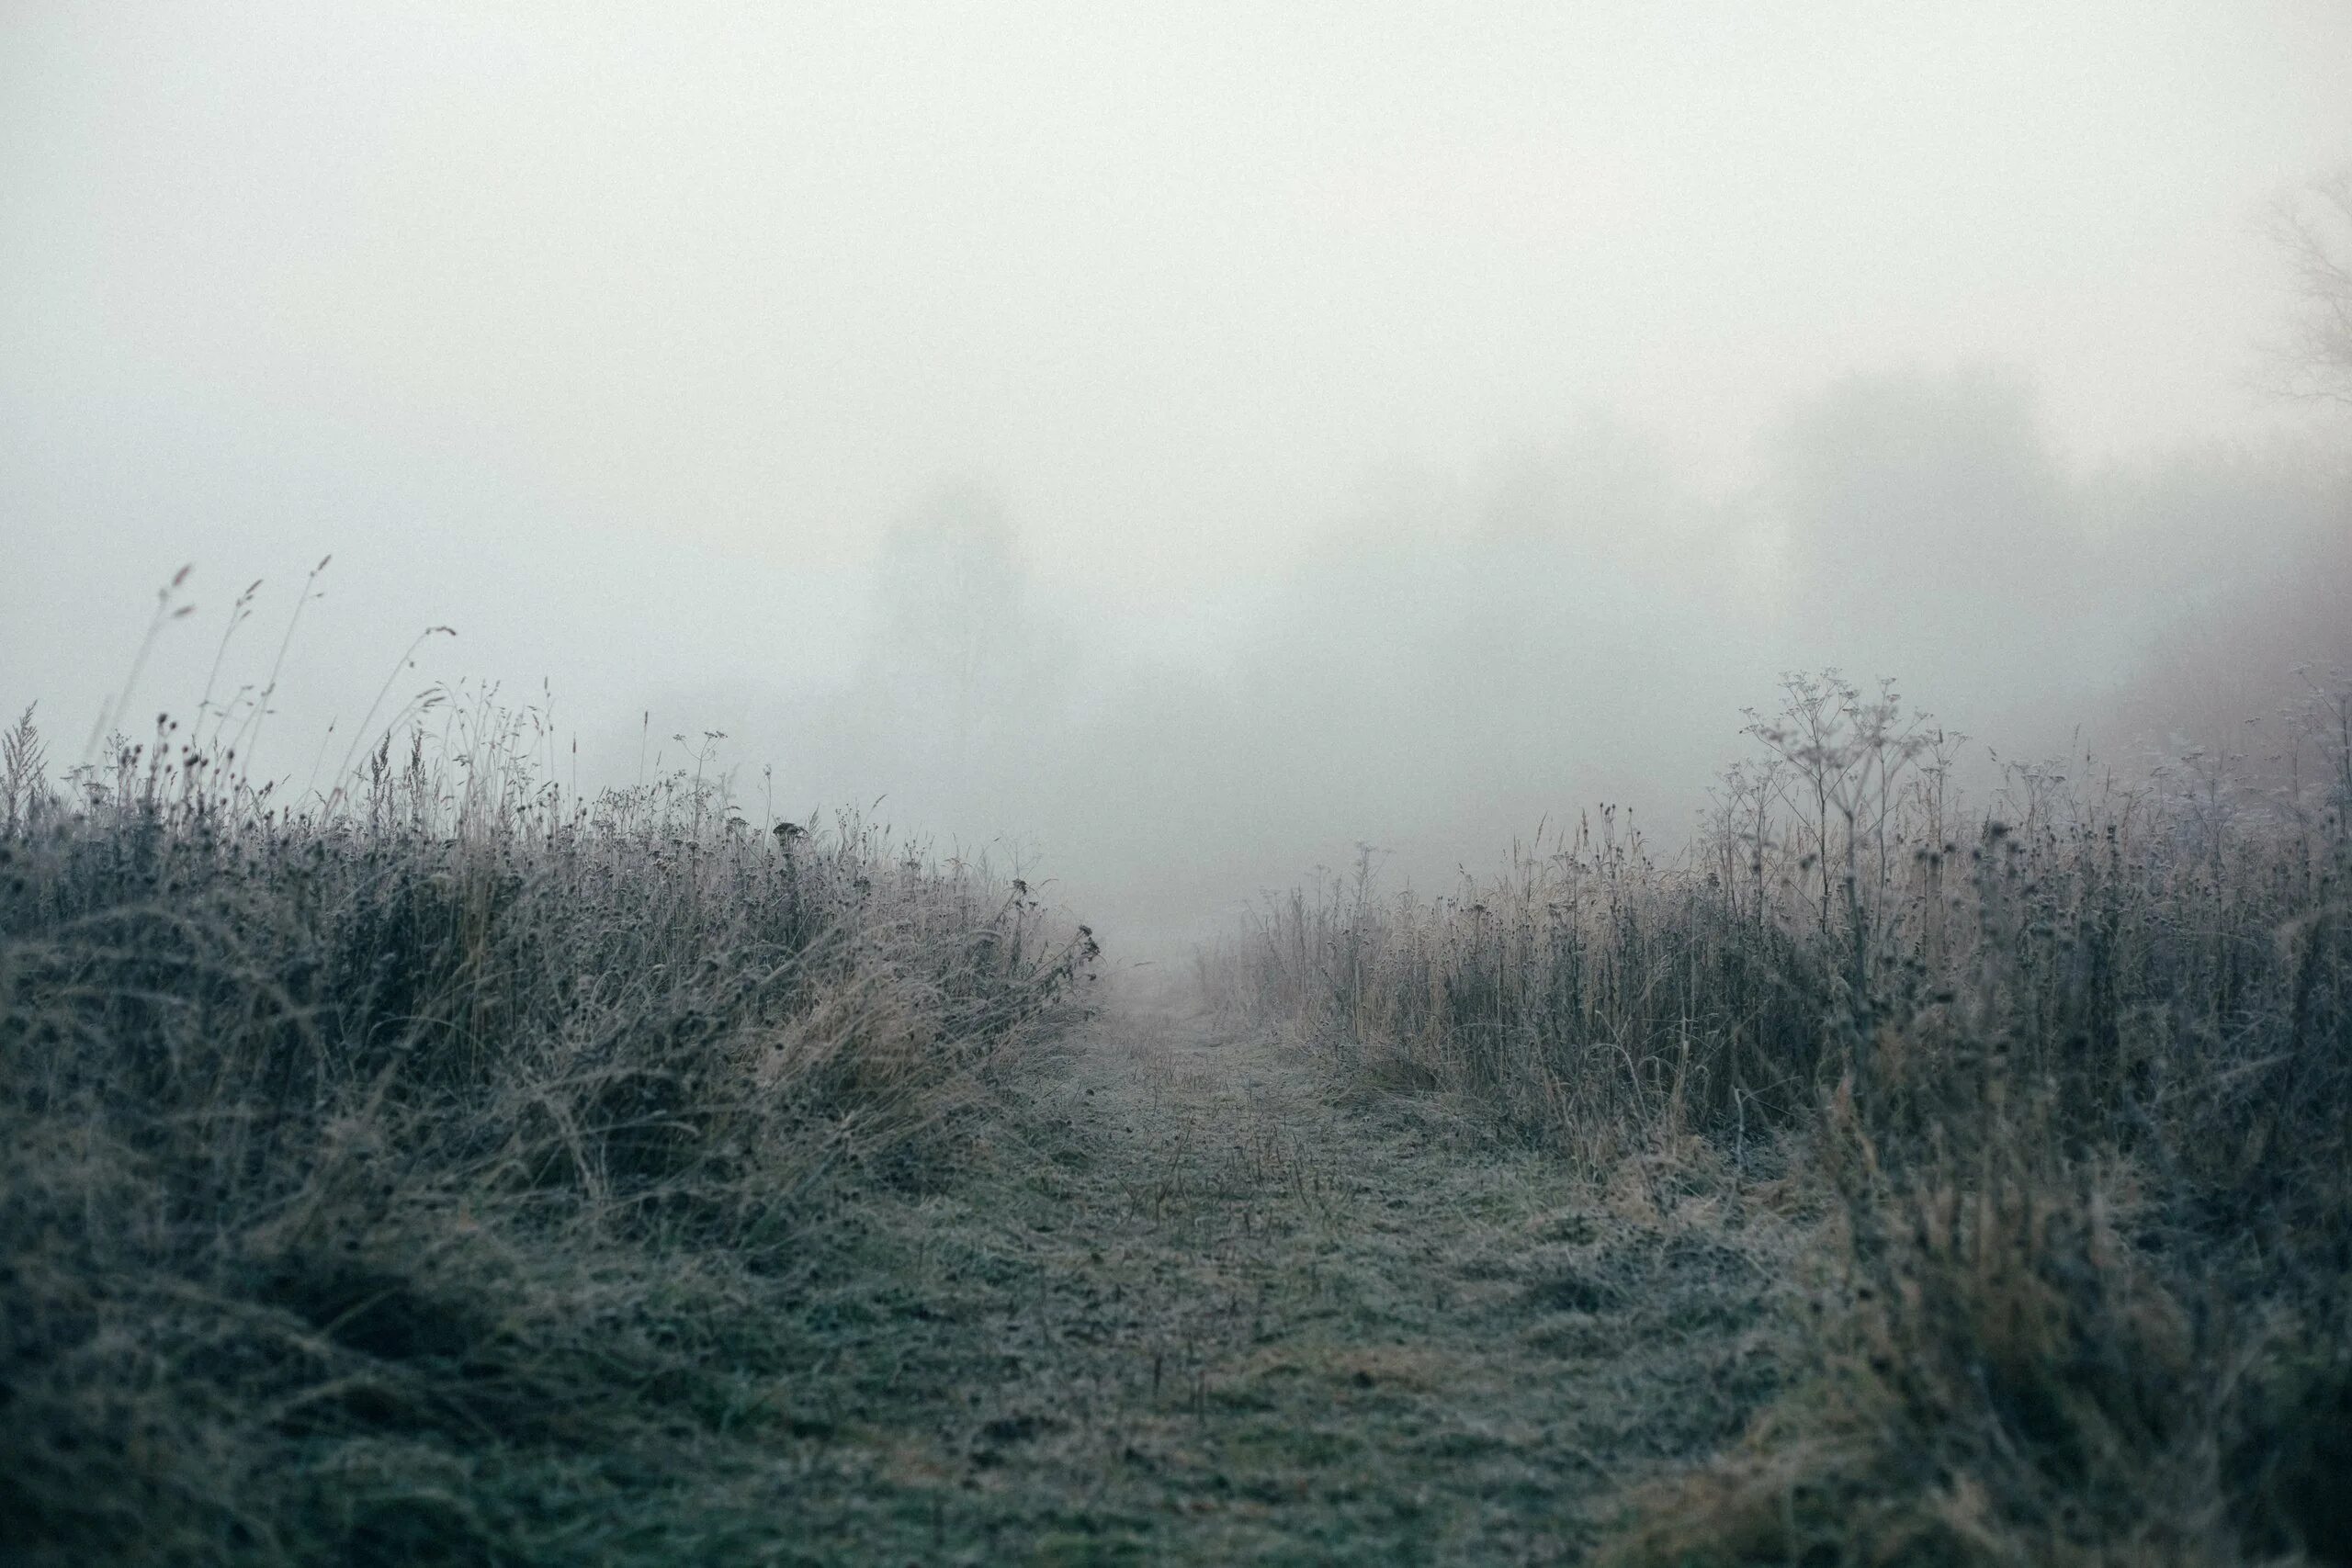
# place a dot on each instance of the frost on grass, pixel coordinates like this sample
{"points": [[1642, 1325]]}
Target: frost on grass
{"points": [[2064, 1079], [433, 1174]]}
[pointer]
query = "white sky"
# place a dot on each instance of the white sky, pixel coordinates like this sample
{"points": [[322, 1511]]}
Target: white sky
{"points": [[618, 333]]}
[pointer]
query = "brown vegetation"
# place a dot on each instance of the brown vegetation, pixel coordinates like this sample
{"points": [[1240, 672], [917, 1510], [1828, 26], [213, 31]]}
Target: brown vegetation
{"points": [[2067, 1078], [422, 1175]]}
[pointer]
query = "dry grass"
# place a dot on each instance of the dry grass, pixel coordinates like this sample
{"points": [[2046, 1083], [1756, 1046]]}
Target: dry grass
{"points": [[2069, 1077], [433, 1174], [455, 1170]]}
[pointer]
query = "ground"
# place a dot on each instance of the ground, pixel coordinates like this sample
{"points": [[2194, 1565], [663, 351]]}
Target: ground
{"points": [[1196, 1302]]}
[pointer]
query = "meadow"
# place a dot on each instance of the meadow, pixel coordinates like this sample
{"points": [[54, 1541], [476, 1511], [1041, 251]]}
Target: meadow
{"points": [[439, 1171], [453, 1168], [2058, 1084]]}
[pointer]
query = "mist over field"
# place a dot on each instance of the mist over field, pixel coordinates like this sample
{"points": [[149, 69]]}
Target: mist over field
{"points": [[961, 783], [1172, 450]]}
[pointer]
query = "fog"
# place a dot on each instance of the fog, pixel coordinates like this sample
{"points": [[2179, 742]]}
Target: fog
{"points": [[1171, 446]]}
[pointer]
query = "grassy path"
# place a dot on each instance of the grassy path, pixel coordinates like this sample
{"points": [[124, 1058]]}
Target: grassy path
{"points": [[1197, 1306]]}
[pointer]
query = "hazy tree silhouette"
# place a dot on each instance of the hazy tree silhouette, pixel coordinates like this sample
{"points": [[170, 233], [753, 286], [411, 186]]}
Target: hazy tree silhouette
{"points": [[2315, 231], [952, 625], [1929, 528]]}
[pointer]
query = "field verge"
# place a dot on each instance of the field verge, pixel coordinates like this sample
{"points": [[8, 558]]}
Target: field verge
{"points": [[439, 1174]]}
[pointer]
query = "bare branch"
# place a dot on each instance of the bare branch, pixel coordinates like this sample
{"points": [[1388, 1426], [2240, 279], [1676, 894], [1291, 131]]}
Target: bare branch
{"points": [[2313, 233]]}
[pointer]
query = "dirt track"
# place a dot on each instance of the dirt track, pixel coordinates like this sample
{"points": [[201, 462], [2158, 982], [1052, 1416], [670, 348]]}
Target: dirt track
{"points": [[1196, 1306]]}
